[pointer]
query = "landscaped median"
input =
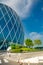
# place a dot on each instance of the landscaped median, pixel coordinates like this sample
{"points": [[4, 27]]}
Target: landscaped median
{"points": [[16, 48], [23, 50]]}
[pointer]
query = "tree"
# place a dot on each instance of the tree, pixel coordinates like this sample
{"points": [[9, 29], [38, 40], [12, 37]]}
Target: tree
{"points": [[29, 42], [12, 46], [15, 46], [37, 42]]}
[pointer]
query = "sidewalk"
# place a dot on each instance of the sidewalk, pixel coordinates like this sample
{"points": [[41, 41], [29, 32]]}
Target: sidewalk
{"points": [[26, 58], [17, 56]]}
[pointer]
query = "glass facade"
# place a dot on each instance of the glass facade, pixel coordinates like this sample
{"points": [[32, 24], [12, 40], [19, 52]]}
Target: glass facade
{"points": [[11, 29]]}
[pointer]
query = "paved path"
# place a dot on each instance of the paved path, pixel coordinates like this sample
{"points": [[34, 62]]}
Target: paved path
{"points": [[4, 61]]}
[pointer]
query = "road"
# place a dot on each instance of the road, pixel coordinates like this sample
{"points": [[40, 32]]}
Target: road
{"points": [[4, 61]]}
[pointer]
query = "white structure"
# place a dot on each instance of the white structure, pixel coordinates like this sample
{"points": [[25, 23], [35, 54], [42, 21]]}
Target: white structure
{"points": [[9, 48]]}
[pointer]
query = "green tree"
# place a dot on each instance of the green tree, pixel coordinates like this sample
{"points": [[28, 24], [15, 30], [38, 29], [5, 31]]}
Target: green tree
{"points": [[15, 46], [29, 43], [12, 46], [37, 42]]}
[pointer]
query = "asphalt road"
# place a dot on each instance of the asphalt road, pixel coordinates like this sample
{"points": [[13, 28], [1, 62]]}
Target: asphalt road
{"points": [[4, 61]]}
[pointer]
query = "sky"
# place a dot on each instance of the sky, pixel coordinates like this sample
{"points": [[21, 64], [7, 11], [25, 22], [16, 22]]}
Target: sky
{"points": [[31, 15]]}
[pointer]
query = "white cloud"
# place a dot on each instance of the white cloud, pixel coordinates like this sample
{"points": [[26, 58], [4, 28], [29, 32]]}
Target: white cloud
{"points": [[22, 7], [35, 35]]}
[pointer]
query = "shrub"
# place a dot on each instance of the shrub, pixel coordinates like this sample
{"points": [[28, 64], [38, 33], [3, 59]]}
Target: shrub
{"points": [[15, 50]]}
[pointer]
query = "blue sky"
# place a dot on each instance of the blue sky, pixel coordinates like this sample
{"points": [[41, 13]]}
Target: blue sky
{"points": [[31, 14], [33, 24]]}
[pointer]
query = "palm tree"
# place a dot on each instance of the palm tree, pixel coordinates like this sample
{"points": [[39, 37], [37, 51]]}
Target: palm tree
{"points": [[37, 42]]}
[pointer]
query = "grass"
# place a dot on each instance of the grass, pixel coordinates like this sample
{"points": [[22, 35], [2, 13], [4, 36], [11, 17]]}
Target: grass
{"points": [[21, 50]]}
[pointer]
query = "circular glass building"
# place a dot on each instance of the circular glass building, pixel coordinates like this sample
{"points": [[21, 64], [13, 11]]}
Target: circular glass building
{"points": [[11, 29]]}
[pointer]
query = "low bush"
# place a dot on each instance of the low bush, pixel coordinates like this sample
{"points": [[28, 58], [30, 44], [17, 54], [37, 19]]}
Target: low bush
{"points": [[19, 48], [15, 50]]}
